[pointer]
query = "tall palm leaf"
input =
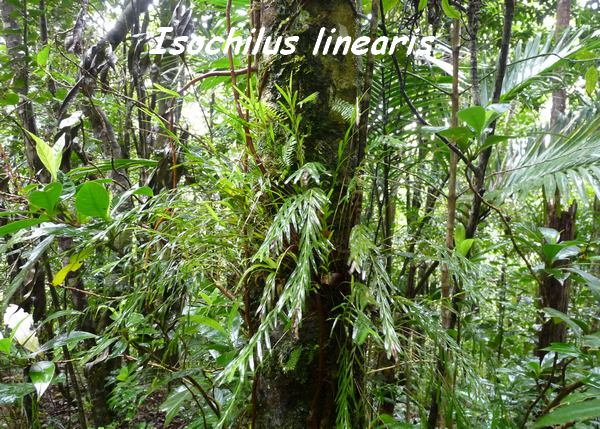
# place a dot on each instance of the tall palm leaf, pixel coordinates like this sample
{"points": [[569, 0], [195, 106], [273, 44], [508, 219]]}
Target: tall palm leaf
{"points": [[563, 157], [534, 60]]}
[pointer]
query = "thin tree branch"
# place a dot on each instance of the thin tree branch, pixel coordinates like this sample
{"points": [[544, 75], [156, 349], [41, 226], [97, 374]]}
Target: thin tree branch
{"points": [[236, 97], [216, 73], [484, 158], [415, 111]]}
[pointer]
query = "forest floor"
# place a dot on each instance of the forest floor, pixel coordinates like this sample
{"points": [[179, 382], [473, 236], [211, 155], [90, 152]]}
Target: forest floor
{"points": [[57, 413]]}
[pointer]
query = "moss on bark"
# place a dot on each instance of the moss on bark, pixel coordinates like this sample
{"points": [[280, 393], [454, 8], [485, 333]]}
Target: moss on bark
{"points": [[303, 394]]}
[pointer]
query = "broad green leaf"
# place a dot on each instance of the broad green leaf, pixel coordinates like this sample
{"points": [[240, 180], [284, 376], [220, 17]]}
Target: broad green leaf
{"points": [[11, 393], [64, 340], [450, 11], [207, 321], [562, 317], [568, 252], [144, 190], [550, 235], [41, 374], [475, 117], [92, 200], [387, 5], [71, 121], [591, 80], [464, 247], [61, 275], [20, 224], [422, 4], [390, 4], [592, 282], [460, 135], [9, 99], [5, 344], [565, 349], [51, 156], [494, 111], [550, 252], [75, 263], [42, 56], [46, 199], [576, 412], [460, 233], [167, 90], [555, 252], [493, 140]]}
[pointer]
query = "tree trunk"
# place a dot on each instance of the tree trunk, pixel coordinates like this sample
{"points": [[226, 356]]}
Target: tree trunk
{"points": [[559, 97], [305, 396], [596, 234], [31, 296], [440, 406], [554, 294]]}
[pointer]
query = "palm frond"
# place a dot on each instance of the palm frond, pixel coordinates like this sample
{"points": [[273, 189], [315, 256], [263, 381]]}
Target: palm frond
{"points": [[564, 157], [424, 86], [534, 60]]}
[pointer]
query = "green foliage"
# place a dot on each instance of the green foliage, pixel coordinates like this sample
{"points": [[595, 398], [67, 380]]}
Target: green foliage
{"points": [[450, 11], [591, 80], [42, 56], [574, 412], [570, 161], [18, 225], [197, 272], [92, 200], [11, 393], [50, 156], [365, 259], [48, 199], [41, 374], [533, 62]]}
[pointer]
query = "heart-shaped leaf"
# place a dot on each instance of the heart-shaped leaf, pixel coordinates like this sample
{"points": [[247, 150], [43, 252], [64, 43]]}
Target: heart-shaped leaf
{"points": [[41, 374], [46, 199], [93, 200], [474, 117]]}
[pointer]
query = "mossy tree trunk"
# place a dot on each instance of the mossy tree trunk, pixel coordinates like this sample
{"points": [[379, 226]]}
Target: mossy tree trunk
{"points": [[304, 396]]}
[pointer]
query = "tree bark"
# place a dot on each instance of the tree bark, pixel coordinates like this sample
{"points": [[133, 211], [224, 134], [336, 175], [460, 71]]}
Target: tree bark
{"points": [[553, 293], [31, 295], [559, 97], [305, 396], [439, 403]]}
